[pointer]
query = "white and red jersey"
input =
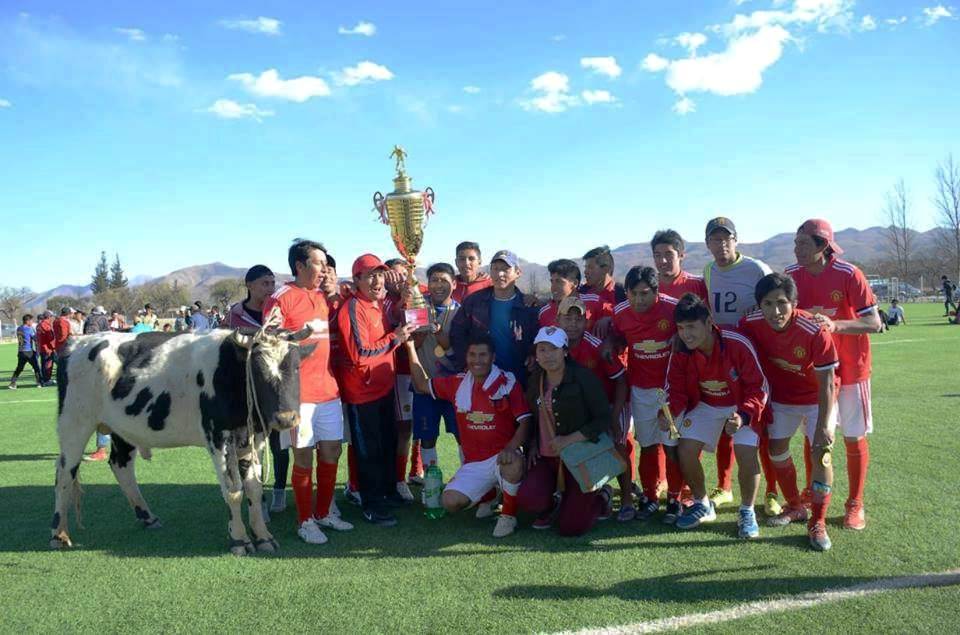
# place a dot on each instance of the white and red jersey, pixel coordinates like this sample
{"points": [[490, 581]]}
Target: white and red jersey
{"points": [[648, 336], [588, 354], [610, 295], [490, 424], [841, 292], [591, 301], [791, 358], [683, 284], [300, 307]]}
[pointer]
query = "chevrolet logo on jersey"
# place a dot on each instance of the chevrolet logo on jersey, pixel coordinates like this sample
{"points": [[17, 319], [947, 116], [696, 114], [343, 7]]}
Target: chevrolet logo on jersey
{"points": [[714, 388], [650, 346], [479, 417], [783, 364]]}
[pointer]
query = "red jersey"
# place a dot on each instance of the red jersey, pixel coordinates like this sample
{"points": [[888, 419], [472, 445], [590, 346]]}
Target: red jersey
{"points": [[648, 337], [791, 358], [730, 376], [61, 331], [587, 354], [685, 283], [300, 307], [841, 292], [45, 337], [610, 295], [464, 289], [366, 345], [490, 424], [548, 312]]}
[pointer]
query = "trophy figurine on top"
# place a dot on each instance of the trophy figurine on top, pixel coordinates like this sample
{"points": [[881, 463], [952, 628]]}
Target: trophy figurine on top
{"points": [[406, 211]]}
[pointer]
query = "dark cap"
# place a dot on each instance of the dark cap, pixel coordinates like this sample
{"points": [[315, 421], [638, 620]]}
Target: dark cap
{"points": [[507, 256], [721, 222]]}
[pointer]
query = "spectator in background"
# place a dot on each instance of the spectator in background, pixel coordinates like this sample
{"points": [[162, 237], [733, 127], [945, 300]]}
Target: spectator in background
{"points": [[895, 315], [150, 317], [116, 321], [180, 323], [215, 317], [199, 323], [167, 328], [46, 346], [26, 351], [949, 290], [61, 329], [76, 323]]}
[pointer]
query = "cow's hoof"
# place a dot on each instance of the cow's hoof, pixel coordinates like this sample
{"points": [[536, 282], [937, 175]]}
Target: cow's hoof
{"points": [[241, 547], [60, 542], [152, 523], [267, 545]]}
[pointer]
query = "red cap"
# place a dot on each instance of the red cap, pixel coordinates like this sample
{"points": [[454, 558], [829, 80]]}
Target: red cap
{"points": [[821, 229], [367, 262]]}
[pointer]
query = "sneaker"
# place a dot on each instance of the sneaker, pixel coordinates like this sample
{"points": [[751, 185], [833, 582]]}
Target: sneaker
{"points": [[673, 512], [626, 514], [787, 516], [506, 525], [99, 455], [415, 479], [771, 506], [721, 497], [485, 510], [333, 522], [383, 519], [351, 496], [12, 386], [747, 526], [544, 522], [606, 498], [696, 514], [647, 508], [333, 510], [310, 533], [279, 502], [819, 540], [404, 491], [854, 517]]}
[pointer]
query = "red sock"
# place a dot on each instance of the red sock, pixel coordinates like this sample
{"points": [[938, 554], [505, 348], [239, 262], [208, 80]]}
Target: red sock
{"points": [[725, 462], [649, 470], [326, 481], [489, 496], [766, 466], [818, 509], [674, 479], [509, 505], [302, 492], [786, 474], [858, 457], [416, 461], [353, 479], [807, 460], [661, 466]]}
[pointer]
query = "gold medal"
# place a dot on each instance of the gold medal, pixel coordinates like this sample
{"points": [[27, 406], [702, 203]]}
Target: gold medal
{"points": [[825, 460]]}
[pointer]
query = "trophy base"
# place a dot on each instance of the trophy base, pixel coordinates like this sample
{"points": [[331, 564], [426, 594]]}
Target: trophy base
{"points": [[419, 318]]}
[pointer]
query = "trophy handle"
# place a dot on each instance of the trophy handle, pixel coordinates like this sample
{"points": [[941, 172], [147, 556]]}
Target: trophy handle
{"points": [[380, 206]]}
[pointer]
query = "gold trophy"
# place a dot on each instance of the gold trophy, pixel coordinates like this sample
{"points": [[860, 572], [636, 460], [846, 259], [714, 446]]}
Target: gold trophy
{"points": [[406, 210]]}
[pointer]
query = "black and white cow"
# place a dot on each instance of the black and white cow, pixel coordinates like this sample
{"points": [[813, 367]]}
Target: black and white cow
{"points": [[160, 390]]}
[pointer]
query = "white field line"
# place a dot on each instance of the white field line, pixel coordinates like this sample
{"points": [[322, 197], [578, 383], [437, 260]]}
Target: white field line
{"points": [[802, 601], [3, 403], [933, 339]]}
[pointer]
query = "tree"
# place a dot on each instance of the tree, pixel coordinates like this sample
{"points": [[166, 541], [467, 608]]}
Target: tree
{"points": [[100, 282], [227, 291], [117, 279], [11, 303], [947, 202], [57, 302], [124, 300], [900, 233], [162, 296]]}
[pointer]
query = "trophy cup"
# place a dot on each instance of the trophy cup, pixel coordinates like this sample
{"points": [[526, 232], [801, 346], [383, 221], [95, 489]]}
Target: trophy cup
{"points": [[406, 210]]}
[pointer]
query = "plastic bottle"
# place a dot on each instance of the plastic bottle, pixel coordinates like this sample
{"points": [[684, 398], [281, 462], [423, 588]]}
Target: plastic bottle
{"points": [[432, 489]]}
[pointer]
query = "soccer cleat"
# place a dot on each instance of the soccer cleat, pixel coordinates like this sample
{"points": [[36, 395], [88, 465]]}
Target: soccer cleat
{"points": [[817, 534], [721, 497], [333, 510], [352, 496], [697, 514], [99, 455], [310, 533], [626, 514], [383, 519], [673, 511], [506, 525], [771, 506], [485, 510], [415, 479], [404, 491], [12, 386], [647, 508], [787, 516], [333, 522], [747, 526], [279, 502], [854, 517]]}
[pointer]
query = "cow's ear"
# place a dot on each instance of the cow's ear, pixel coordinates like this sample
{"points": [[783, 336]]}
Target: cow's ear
{"points": [[241, 340], [302, 334]]}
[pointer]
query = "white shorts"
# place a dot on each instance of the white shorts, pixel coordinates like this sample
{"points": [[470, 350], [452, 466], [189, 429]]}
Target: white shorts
{"points": [[645, 406], [705, 423], [403, 404], [318, 422], [475, 479], [787, 418], [855, 412]]}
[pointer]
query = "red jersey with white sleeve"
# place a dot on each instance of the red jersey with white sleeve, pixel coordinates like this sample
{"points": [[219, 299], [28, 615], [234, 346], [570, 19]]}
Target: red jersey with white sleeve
{"points": [[648, 337], [591, 301], [588, 354], [300, 307], [683, 284], [366, 347], [841, 292], [730, 376], [464, 289], [791, 358], [489, 424]]}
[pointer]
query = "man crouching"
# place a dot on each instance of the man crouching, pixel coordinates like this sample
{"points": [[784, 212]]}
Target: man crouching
{"points": [[492, 419]]}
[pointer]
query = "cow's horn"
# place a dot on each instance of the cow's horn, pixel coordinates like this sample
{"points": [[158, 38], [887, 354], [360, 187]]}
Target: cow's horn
{"points": [[302, 334], [243, 341]]}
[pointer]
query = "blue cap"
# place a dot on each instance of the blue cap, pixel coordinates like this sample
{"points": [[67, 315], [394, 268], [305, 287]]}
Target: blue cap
{"points": [[507, 256]]}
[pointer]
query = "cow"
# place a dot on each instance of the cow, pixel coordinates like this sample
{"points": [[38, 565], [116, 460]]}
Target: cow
{"points": [[165, 390]]}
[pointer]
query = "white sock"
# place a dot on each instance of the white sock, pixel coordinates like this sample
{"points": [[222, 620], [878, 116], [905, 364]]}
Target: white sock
{"points": [[509, 488], [744, 508], [706, 501], [429, 456]]}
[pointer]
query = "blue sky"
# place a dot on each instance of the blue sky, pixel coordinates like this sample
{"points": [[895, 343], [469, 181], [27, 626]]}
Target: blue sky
{"points": [[180, 133]]}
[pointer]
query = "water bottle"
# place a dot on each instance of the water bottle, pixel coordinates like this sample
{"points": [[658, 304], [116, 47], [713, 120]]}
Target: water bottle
{"points": [[432, 489]]}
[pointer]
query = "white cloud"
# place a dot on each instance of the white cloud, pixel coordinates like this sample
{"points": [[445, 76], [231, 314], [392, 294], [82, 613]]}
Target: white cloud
{"points": [[559, 37], [684, 106], [268, 26], [269, 84], [367, 29], [132, 34], [591, 97], [824, 14], [602, 65], [934, 14], [229, 109], [5, 103], [554, 97], [170, 37], [471, 90], [867, 23], [896, 21], [691, 41], [654, 63], [455, 109], [363, 73]]}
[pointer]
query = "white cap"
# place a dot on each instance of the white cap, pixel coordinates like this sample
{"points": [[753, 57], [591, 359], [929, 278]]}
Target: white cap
{"points": [[552, 335]]}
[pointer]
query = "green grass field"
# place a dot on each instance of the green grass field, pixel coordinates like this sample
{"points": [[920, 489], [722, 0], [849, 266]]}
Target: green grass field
{"points": [[451, 575]]}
